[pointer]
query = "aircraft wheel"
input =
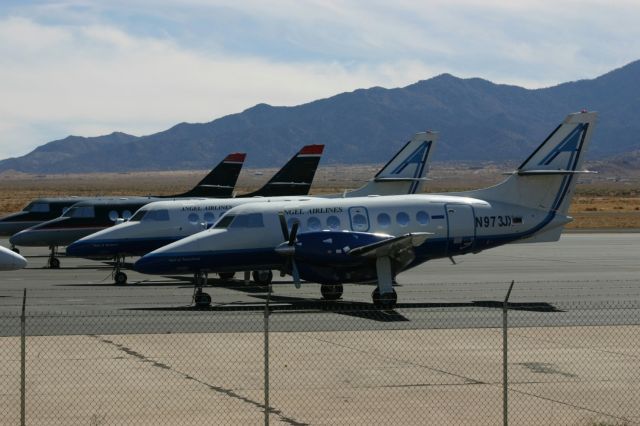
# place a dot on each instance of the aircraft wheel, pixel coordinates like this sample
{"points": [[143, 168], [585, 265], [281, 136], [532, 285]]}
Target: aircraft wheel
{"points": [[120, 278], [263, 277], [54, 263], [331, 291], [15, 250], [203, 300], [227, 275], [384, 301]]}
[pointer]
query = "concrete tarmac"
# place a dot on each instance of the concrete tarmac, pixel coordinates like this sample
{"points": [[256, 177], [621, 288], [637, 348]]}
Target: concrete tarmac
{"points": [[98, 353], [578, 271]]}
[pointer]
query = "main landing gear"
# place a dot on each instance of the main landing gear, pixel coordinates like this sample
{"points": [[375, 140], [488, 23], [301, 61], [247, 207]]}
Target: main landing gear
{"points": [[262, 277], [53, 262], [384, 296], [200, 298], [15, 249], [331, 291], [119, 277]]}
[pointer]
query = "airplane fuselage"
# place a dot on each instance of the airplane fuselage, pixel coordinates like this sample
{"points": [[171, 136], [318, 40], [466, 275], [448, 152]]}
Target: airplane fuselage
{"points": [[457, 225]]}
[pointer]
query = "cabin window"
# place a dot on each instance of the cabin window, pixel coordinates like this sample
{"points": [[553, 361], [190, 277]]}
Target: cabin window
{"points": [[157, 215], [38, 207], [193, 218], [251, 220], [209, 217], [422, 217], [333, 222], [81, 211], [113, 215], [126, 215], [224, 221], [384, 220], [313, 223], [402, 218], [136, 217]]}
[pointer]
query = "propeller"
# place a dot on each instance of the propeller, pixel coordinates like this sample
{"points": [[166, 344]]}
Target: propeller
{"points": [[287, 248]]}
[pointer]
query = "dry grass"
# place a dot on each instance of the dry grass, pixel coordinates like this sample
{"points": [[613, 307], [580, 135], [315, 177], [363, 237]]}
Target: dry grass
{"points": [[598, 204]]}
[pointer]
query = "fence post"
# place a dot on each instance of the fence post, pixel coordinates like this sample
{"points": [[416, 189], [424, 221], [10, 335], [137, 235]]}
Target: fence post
{"points": [[23, 361], [505, 390], [266, 357]]}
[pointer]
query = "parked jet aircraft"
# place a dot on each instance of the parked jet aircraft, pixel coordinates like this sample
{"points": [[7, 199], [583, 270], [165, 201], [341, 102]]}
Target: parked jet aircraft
{"points": [[163, 222], [90, 216], [10, 261], [220, 182], [372, 239]]}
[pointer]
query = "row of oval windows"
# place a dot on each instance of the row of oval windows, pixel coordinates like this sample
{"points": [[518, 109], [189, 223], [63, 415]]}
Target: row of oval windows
{"points": [[360, 221], [333, 222]]}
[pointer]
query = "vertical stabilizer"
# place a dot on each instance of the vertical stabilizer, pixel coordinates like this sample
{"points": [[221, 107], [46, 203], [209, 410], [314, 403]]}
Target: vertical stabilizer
{"points": [[546, 180], [406, 172], [295, 177], [220, 181]]}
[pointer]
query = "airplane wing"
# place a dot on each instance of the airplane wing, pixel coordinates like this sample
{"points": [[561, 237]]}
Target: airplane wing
{"points": [[393, 247]]}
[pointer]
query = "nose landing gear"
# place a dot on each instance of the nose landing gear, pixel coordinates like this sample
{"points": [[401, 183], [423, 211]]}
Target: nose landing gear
{"points": [[200, 298], [53, 262]]}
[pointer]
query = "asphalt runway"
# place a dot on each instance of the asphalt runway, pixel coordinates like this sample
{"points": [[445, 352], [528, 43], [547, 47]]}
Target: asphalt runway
{"points": [[578, 272]]}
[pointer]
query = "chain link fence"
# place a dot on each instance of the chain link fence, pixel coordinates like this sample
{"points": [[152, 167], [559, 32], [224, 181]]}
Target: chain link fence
{"points": [[573, 364]]}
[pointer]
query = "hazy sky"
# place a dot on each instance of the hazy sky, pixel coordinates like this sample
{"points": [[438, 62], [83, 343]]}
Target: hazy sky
{"points": [[92, 67]]}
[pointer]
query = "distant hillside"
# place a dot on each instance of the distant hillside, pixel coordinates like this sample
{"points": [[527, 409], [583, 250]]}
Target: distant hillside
{"points": [[477, 120]]}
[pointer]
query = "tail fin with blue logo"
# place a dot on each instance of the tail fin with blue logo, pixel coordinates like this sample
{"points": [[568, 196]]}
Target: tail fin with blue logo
{"points": [[546, 180], [405, 173]]}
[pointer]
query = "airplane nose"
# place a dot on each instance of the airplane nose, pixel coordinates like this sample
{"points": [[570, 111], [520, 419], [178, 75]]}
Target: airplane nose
{"points": [[150, 264], [20, 262], [22, 238], [80, 249]]}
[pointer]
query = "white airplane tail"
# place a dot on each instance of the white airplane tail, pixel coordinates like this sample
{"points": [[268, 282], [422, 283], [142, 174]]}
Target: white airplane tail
{"points": [[547, 179], [405, 172]]}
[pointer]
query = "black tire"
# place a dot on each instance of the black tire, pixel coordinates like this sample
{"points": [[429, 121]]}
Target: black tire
{"points": [[54, 263], [15, 250], [331, 291], [203, 300], [384, 301], [120, 278], [227, 276], [262, 277]]}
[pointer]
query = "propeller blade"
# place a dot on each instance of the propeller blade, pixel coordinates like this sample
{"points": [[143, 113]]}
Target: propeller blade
{"points": [[294, 233], [295, 274], [283, 226]]}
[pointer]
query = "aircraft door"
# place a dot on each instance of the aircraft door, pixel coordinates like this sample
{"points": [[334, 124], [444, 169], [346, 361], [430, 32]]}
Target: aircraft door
{"points": [[462, 231], [359, 218]]}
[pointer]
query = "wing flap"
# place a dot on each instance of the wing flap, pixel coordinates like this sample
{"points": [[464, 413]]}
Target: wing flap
{"points": [[393, 247]]}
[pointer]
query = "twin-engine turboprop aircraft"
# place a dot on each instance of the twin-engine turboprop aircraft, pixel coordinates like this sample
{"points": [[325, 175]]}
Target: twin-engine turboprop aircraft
{"points": [[163, 222], [372, 239], [90, 216]]}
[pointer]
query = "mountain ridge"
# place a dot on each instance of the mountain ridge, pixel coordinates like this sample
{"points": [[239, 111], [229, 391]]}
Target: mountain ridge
{"points": [[477, 120]]}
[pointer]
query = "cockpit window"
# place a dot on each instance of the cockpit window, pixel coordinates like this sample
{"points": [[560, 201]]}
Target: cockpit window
{"points": [[81, 211], [38, 207], [137, 216], [157, 215], [224, 222], [251, 220]]}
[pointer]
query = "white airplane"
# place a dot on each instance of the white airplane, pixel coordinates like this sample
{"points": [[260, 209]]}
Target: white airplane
{"points": [[372, 239], [10, 261], [163, 222]]}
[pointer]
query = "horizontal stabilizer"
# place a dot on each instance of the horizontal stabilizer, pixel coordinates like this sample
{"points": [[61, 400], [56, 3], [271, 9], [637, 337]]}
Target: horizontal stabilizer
{"points": [[550, 172]]}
